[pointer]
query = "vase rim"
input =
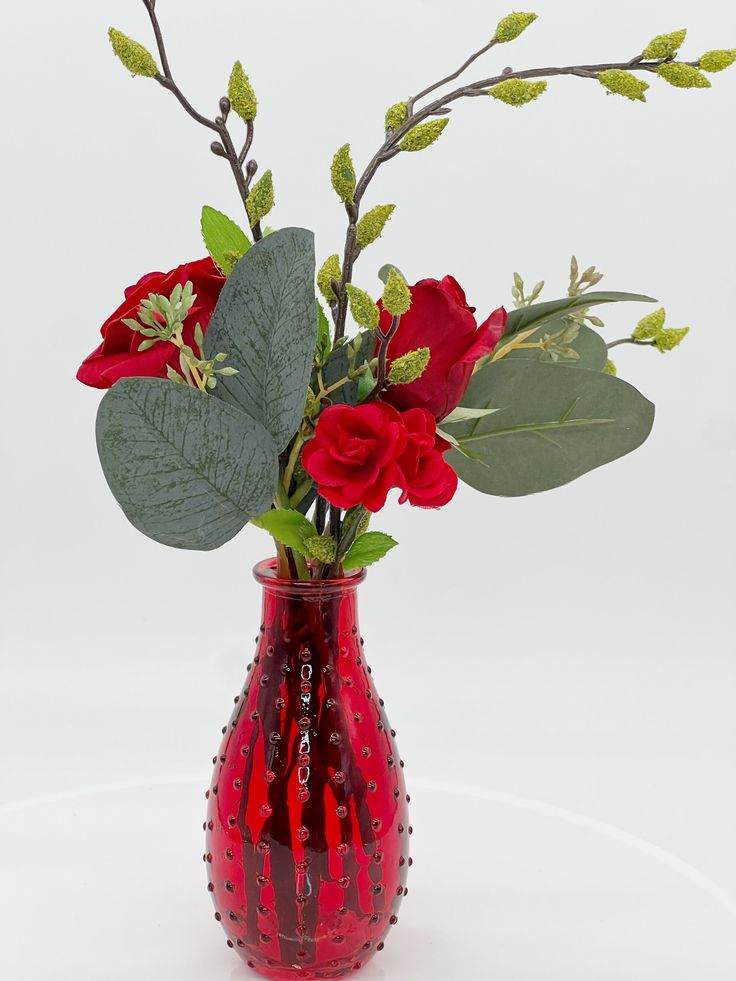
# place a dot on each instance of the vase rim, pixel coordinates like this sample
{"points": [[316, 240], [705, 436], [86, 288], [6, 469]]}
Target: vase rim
{"points": [[265, 573]]}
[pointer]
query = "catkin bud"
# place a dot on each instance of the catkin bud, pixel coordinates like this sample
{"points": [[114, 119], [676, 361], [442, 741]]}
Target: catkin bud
{"points": [[344, 180], [670, 338], [371, 225], [322, 547], [650, 326], [242, 97], [664, 45], [396, 116], [261, 199], [610, 369], [363, 308], [330, 271], [683, 76], [137, 59], [409, 367], [624, 83], [718, 61], [512, 26], [423, 136], [396, 294], [517, 92]]}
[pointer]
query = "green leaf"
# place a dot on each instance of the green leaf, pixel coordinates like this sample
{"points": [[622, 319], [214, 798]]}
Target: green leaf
{"points": [[589, 345], [187, 470], [266, 320], [345, 359], [324, 337], [367, 549], [463, 414], [553, 424], [223, 238], [539, 313], [288, 527]]}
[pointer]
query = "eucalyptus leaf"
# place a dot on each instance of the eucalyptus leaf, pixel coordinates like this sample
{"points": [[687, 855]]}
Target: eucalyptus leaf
{"points": [[553, 424], [266, 321], [539, 313], [385, 271], [349, 356], [187, 470], [223, 238]]}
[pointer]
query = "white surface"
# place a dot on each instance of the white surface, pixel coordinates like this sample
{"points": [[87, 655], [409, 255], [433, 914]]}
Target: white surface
{"points": [[585, 637], [110, 884]]}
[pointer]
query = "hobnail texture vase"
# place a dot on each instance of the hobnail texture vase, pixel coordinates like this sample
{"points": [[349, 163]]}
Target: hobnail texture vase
{"points": [[307, 826]]}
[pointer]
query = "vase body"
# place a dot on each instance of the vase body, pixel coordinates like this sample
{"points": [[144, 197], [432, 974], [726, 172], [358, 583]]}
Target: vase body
{"points": [[307, 825]]}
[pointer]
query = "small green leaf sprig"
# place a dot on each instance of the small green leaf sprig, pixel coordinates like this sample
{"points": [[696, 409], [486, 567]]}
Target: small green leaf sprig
{"points": [[161, 320]]}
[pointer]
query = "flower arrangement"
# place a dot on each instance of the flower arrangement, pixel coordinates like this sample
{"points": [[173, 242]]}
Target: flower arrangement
{"points": [[235, 397]]}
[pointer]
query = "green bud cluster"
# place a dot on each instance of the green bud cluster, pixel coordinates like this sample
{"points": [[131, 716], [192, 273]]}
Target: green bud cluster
{"points": [[396, 294], [241, 94], [683, 76], [670, 338], [344, 180], [652, 328], [363, 309], [423, 136], [396, 116], [718, 61], [517, 92], [409, 367], [137, 59], [664, 45], [322, 547], [330, 270], [261, 199], [624, 83], [512, 26], [371, 225], [610, 369]]}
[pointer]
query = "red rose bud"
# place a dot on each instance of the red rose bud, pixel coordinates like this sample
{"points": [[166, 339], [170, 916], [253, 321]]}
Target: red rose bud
{"points": [[119, 356], [440, 319], [359, 453]]}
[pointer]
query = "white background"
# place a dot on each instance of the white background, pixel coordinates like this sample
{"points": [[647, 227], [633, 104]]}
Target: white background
{"points": [[575, 648]]}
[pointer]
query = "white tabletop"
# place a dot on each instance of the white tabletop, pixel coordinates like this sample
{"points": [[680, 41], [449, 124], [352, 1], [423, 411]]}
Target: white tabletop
{"points": [[109, 884]]}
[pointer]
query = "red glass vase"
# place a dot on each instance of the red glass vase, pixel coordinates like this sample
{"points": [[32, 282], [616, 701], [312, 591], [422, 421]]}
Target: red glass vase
{"points": [[307, 826]]}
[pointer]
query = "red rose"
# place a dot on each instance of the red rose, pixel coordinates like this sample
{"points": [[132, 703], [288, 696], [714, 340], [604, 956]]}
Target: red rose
{"points": [[359, 453], [429, 482], [354, 452], [118, 355], [441, 320]]}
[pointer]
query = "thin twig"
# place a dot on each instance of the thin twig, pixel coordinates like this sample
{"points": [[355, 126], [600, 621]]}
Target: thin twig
{"points": [[631, 340], [225, 148], [449, 78], [384, 340]]}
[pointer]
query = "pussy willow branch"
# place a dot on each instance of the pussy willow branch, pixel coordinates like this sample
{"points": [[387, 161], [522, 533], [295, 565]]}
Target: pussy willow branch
{"points": [[441, 106], [225, 147], [384, 340]]}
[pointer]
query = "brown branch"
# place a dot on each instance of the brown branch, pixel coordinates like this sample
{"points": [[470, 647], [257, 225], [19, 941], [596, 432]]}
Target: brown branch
{"points": [[225, 147], [392, 144], [631, 340]]}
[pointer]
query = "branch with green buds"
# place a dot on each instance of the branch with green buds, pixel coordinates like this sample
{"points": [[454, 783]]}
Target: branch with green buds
{"points": [[410, 126], [652, 332], [240, 99]]}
